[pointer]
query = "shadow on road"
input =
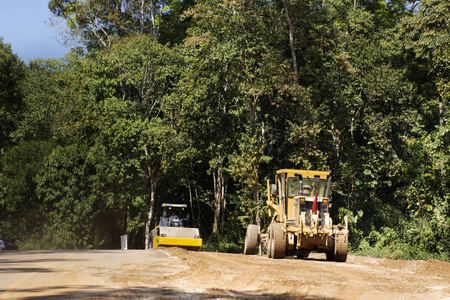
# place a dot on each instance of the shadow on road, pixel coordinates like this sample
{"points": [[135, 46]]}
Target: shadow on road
{"points": [[95, 292], [11, 257], [24, 270]]}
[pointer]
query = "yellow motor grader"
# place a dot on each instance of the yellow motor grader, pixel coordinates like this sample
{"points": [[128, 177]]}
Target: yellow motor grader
{"points": [[301, 222]]}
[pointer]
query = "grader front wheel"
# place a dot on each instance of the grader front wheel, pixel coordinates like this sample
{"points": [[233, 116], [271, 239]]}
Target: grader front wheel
{"points": [[278, 241], [251, 239]]}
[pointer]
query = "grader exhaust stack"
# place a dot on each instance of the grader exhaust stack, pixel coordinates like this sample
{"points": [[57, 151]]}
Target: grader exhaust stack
{"points": [[301, 223]]}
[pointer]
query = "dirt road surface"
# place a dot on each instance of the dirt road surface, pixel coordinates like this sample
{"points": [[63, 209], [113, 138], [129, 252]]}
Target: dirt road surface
{"points": [[173, 273]]}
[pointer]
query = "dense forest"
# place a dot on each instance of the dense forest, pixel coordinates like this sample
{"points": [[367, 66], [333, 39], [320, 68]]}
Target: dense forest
{"points": [[200, 102]]}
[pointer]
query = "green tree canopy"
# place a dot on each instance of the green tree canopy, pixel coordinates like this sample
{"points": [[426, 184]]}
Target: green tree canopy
{"points": [[12, 74]]}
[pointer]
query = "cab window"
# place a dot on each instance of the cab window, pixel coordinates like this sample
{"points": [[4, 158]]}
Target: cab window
{"points": [[293, 186]]}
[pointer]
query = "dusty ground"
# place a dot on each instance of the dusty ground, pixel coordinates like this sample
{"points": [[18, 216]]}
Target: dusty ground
{"points": [[173, 273], [236, 275]]}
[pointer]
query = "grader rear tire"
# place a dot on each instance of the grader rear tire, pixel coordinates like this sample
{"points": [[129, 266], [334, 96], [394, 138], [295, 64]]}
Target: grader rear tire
{"points": [[341, 248], [251, 239], [279, 241], [330, 253]]}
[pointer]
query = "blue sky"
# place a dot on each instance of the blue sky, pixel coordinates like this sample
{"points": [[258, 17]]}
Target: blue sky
{"points": [[25, 24]]}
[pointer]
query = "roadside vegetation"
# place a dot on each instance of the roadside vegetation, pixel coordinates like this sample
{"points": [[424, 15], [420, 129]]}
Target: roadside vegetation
{"points": [[200, 102]]}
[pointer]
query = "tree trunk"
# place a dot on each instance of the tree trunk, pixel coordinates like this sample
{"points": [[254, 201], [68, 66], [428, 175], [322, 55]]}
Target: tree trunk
{"points": [[441, 160], [128, 220], [153, 16], [152, 178], [337, 147], [142, 17], [291, 42], [150, 213], [224, 203], [199, 215], [191, 204], [219, 192], [256, 201]]}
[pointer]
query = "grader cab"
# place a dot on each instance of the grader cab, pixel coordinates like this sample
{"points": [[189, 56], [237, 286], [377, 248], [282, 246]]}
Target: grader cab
{"points": [[301, 222]]}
